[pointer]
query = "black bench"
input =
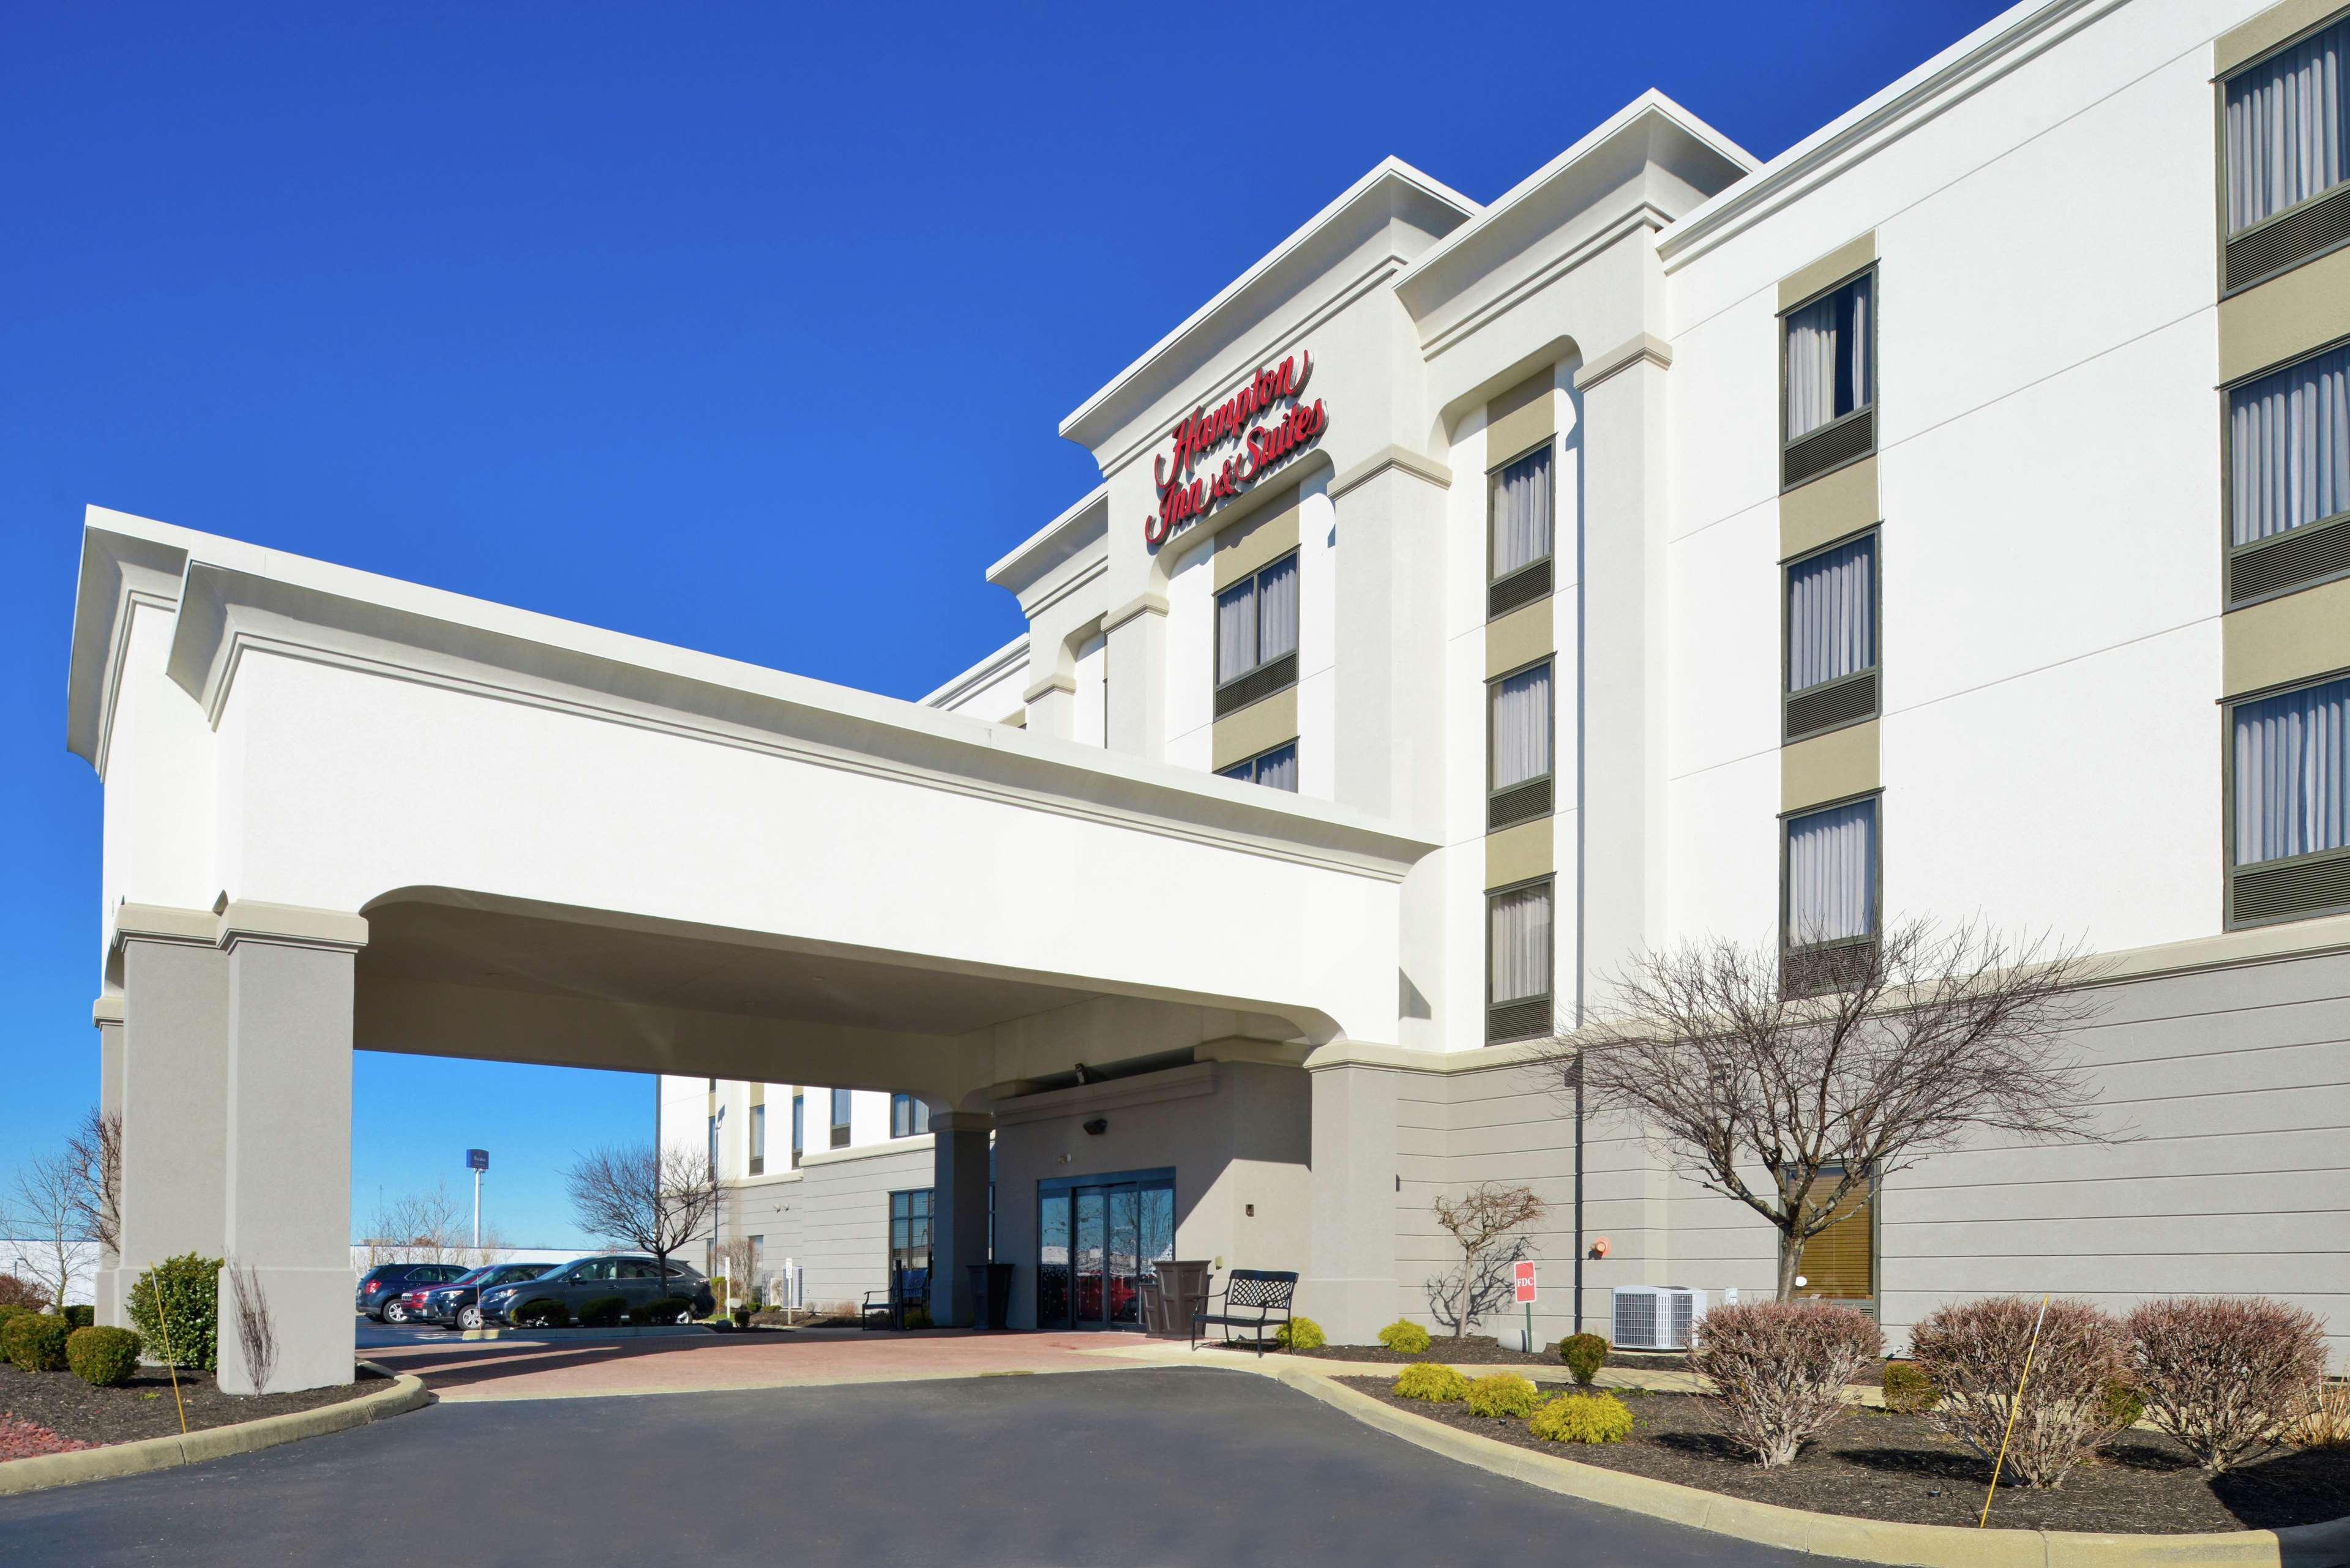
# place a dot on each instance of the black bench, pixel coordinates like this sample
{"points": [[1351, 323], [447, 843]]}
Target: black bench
{"points": [[907, 1288], [1251, 1299]]}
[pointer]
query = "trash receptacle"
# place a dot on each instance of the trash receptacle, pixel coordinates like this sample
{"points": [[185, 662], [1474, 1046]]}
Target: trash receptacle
{"points": [[991, 1294], [1182, 1291]]}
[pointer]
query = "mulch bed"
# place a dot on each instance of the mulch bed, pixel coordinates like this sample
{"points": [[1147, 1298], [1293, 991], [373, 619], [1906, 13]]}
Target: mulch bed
{"points": [[1875, 1465], [142, 1407]]}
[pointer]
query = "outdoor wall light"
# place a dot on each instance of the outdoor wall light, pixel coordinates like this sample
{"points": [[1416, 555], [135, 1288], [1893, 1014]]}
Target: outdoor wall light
{"points": [[1098, 1126], [1599, 1248]]}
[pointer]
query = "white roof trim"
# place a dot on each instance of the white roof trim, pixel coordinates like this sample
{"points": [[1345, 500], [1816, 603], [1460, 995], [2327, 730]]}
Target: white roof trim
{"points": [[987, 669]]}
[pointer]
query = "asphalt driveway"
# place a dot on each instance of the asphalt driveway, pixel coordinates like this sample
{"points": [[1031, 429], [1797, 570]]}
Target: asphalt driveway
{"points": [[1126, 1468]]}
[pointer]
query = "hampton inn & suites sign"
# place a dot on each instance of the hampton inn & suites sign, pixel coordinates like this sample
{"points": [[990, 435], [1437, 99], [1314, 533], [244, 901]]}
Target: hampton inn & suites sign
{"points": [[1247, 417]]}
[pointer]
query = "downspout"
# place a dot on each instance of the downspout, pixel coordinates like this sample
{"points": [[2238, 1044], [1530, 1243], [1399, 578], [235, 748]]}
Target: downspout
{"points": [[1578, 1193]]}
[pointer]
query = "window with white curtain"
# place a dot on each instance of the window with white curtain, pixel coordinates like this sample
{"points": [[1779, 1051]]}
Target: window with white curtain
{"points": [[1275, 769], [2291, 756], [1521, 514], [1518, 960], [841, 1118], [1256, 621], [908, 1116], [2289, 448], [1832, 614], [1521, 727], [1831, 875], [2288, 136], [1831, 355]]}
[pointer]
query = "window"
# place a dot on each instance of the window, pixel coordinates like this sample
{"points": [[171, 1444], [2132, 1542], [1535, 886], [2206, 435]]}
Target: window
{"points": [[909, 1229], [1518, 962], [1519, 731], [1519, 547], [2288, 809], [2289, 478], [841, 1118], [759, 1138], [908, 1116], [1275, 769], [1831, 656], [1830, 372], [1839, 1263], [799, 1126], [1256, 636], [1832, 880], [2288, 156]]}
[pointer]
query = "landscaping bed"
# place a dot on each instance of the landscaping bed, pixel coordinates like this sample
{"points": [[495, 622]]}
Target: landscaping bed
{"points": [[63, 1404], [1470, 1350], [1876, 1465]]}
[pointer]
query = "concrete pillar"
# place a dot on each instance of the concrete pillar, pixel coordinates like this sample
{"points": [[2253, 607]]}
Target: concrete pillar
{"points": [[1052, 705], [1389, 644], [288, 1163], [958, 1212], [1137, 663], [174, 1086], [1350, 1288], [107, 1289]]}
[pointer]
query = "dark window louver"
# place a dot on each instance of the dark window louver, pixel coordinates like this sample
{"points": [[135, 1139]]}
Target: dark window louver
{"points": [[1520, 588], [1522, 804], [1518, 1020], [1260, 682], [1831, 706], [2291, 889], [2283, 242], [2312, 553], [1816, 972], [1839, 443]]}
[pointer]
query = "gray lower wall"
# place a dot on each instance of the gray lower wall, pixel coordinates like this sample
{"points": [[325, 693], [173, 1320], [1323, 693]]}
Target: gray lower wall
{"points": [[831, 1217]]}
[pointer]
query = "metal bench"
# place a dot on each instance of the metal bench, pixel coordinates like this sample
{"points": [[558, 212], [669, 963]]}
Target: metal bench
{"points": [[1251, 1299], [907, 1288]]}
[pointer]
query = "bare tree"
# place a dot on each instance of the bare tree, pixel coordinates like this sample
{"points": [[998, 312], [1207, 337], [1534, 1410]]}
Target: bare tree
{"points": [[256, 1332], [1487, 1223], [421, 1228], [740, 1262], [95, 1151], [654, 1200], [46, 1220], [1795, 1104]]}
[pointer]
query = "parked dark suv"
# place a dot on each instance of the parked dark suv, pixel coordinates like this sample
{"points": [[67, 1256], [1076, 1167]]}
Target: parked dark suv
{"points": [[552, 1299], [381, 1287], [459, 1304]]}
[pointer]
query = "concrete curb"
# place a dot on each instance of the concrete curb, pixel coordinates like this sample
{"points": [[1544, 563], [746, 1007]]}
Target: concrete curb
{"points": [[407, 1393], [641, 1331], [2323, 1545]]}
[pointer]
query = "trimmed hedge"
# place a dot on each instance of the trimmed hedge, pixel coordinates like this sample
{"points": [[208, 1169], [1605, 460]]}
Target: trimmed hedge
{"points": [[1583, 1418], [1502, 1394], [1584, 1354], [603, 1311], [1437, 1383], [186, 1332], [1300, 1334], [102, 1357], [81, 1317], [10, 1311], [36, 1341], [1908, 1390], [541, 1309], [1404, 1337]]}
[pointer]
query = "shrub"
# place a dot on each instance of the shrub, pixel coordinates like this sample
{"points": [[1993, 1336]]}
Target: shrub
{"points": [[546, 1311], [1585, 1354], [24, 1293], [666, 1310], [186, 1330], [102, 1357], [1300, 1334], [1438, 1385], [1974, 1353], [603, 1311], [2325, 1418], [1583, 1418], [1777, 1370], [81, 1317], [2226, 1377], [36, 1341], [1404, 1337], [10, 1310], [2120, 1406], [918, 1317], [1502, 1394], [1908, 1390]]}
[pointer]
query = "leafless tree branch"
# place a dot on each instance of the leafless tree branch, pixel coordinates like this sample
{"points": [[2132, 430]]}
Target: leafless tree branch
{"points": [[654, 1200]]}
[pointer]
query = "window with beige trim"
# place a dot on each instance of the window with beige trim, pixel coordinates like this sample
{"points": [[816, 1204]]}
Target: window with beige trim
{"points": [[1827, 377], [841, 1118], [1519, 962], [1832, 599], [1832, 881], [799, 1126], [1256, 636], [2289, 477], [1521, 532], [1520, 731], [2288, 789], [2285, 177], [1275, 769], [759, 1139]]}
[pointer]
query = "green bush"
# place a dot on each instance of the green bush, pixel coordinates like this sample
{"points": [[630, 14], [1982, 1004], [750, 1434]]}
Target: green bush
{"points": [[1300, 1334], [666, 1310], [1502, 1394], [81, 1317], [1585, 1354], [186, 1330], [1404, 1337], [1437, 1383], [10, 1310], [1908, 1390], [2121, 1405], [102, 1357], [36, 1341], [603, 1311], [1583, 1418], [544, 1310]]}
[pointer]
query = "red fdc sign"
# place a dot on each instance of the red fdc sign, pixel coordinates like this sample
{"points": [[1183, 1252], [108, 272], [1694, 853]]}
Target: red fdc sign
{"points": [[1522, 1274]]}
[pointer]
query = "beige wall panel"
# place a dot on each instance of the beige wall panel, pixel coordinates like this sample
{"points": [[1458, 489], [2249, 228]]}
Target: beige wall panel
{"points": [[1517, 854], [1245, 549], [1521, 417], [2286, 316], [1828, 767], [1259, 727], [1519, 639], [2290, 639], [1829, 508], [2267, 30], [1833, 267]]}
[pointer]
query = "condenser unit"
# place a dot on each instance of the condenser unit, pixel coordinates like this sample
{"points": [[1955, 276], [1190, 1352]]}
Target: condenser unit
{"points": [[1656, 1317]]}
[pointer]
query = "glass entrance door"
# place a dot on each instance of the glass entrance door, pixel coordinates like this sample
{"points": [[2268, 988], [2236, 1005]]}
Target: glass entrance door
{"points": [[1098, 1238]]}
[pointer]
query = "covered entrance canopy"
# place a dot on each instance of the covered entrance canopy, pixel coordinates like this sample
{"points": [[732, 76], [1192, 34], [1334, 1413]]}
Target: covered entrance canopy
{"points": [[343, 810]]}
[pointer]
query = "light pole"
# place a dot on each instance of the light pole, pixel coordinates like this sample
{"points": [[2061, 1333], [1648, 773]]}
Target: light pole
{"points": [[477, 1161]]}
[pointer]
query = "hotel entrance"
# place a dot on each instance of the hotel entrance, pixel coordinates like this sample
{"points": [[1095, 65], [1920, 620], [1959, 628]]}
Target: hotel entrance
{"points": [[1098, 1238]]}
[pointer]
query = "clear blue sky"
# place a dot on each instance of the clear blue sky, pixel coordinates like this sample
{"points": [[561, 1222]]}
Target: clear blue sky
{"points": [[616, 313]]}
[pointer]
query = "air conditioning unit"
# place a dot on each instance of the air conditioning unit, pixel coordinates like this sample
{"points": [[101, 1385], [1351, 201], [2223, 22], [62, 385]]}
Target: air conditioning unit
{"points": [[1655, 1317]]}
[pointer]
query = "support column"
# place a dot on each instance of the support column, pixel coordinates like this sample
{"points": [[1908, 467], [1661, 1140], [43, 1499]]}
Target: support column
{"points": [[173, 1087], [1136, 660], [958, 1212], [288, 1144], [107, 1287], [1350, 1290]]}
